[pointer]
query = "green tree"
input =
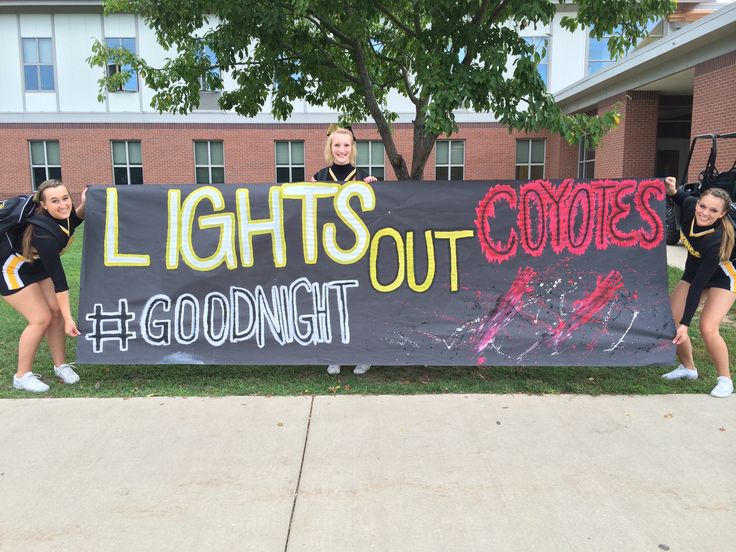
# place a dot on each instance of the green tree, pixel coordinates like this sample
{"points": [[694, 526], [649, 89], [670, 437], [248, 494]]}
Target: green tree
{"points": [[441, 54]]}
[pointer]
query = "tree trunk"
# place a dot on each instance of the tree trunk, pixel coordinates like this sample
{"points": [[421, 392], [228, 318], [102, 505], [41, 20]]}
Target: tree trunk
{"points": [[384, 129], [423, 144]]}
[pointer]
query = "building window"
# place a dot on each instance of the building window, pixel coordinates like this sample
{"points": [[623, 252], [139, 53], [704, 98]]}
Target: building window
{"points": [[655, 31], [529, 159], [209, 162], [289, 161], [449, 160], [586, 159], [38, 64], [599, 56], [370, 158], [45, 161], [541, 47], [127, 165], [214, 72], [131, 85]]}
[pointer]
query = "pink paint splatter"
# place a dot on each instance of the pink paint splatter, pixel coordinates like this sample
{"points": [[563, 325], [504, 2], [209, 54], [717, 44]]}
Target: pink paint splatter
{"points": [[588, 306], [506, 308]]}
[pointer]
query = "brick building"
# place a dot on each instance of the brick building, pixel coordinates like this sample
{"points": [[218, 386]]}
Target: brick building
{"points": [[677, 83]]}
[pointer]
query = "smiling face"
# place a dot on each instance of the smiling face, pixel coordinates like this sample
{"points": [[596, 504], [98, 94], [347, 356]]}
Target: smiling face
{"points": [[341, 148], [57, 202], [709, 210]]}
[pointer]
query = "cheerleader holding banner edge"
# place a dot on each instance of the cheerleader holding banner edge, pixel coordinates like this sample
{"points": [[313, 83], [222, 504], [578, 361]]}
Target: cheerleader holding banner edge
{"points": [[709, 277]]}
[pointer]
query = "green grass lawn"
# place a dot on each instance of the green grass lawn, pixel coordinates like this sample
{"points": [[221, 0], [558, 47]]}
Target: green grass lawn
{"points": [[133, 381]]}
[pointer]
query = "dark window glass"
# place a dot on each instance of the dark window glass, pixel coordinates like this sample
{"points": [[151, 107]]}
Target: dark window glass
{"points": [[297, 174], [537, 171], [456, 173], [218, 175], [121, 175], [282, 174], [39, 175], [203, 175], [136, 175]]}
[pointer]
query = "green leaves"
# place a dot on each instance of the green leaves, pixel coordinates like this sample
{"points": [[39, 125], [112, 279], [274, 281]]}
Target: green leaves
{"points": [[441, 54]]}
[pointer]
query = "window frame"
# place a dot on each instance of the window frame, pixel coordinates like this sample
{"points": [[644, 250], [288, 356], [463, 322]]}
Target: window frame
{"points": [[585, 164], [290, 165], [119, 69], [209, 166], [127, 165], [545, 59], [643, 41], [450, 165], [215, 71], [607, 62], [529, 164], [38, 64], [46, 165], [372, 165]]}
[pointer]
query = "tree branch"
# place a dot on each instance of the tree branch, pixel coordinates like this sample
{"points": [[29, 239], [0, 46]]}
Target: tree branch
{"points": [[396, 22], [478, 19], [501, 5], [409, 87], [323, 23], [328, 62], [384, 129]]}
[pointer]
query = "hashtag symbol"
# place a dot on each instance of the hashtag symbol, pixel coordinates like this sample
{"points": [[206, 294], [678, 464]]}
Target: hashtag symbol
{"points": [[110, 326]]}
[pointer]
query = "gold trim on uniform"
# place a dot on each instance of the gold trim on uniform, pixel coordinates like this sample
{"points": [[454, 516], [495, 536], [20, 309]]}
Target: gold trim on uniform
{"points": [[68, 244], [730, 271], [347, 178], [694, 234], [66, 230], [11, 271]]}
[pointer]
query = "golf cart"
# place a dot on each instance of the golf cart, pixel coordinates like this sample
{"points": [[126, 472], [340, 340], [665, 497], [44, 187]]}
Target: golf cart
{"points": [[709, 177]]}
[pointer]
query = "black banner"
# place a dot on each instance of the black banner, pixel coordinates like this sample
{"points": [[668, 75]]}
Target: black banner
{"points": [[389, 273]]}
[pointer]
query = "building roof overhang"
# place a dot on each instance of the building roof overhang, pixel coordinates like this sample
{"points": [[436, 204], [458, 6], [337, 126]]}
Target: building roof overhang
{"points": [[53, 6], [666, 65]]}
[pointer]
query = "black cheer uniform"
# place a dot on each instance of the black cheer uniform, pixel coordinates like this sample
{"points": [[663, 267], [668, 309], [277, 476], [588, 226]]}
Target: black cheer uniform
{"points": [[703, 268], [340, 173], [18, 272]]}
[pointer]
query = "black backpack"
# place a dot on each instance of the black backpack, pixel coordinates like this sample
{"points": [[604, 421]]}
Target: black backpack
{"points": [[15, 214]]}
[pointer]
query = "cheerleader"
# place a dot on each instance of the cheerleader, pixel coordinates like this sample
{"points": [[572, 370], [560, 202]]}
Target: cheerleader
{"points": [[341, 155], [34, 284], [708, 234]]}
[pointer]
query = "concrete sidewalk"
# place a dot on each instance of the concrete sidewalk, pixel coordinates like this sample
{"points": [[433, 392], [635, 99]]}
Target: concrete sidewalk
{"points": [[354, 473]]}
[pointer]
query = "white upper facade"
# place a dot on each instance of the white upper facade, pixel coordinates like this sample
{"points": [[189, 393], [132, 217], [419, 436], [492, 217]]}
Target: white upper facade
{"points": [[46, 78]]}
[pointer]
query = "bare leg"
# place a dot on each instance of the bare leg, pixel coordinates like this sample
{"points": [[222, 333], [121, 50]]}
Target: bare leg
{"points": [[55, 336], [677, 302], [717, 304], [31, 304]]}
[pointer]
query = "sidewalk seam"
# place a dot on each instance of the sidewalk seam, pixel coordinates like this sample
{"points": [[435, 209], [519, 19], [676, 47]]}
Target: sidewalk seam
{"points": [[299, 478]]}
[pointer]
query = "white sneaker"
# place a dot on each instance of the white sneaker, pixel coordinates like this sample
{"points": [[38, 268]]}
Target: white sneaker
{"points": [[681, 373], [66, 373], [333, 369], [361, 369], [723, 388], [30, 382]]}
